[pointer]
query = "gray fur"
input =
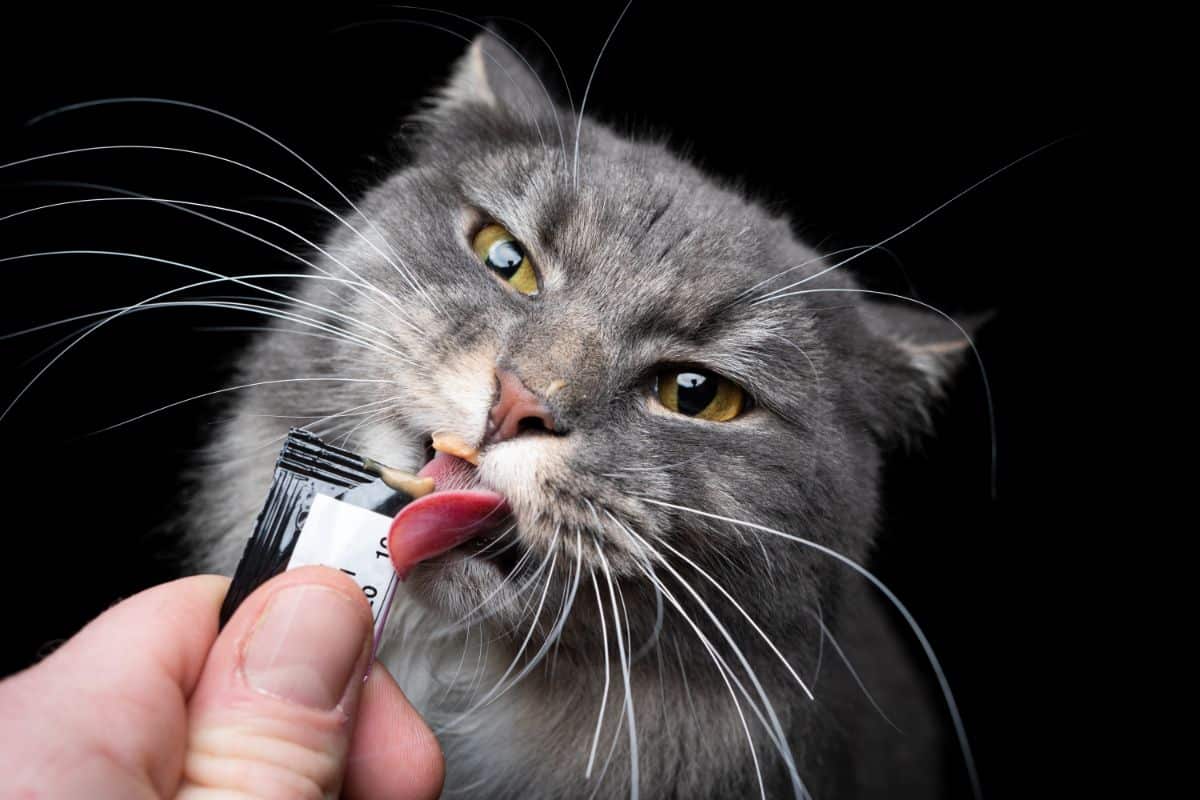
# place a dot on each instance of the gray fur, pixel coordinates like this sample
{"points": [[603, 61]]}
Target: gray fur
{"points": [[646, 262]]}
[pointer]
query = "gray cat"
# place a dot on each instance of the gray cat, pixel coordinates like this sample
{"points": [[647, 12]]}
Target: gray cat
{"points": [[695, 390]]}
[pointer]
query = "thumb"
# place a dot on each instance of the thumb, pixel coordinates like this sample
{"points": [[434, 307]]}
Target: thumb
{"points": [[274, 709]]}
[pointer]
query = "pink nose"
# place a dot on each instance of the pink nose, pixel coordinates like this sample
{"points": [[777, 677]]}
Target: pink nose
{"points": [[516, 410]]}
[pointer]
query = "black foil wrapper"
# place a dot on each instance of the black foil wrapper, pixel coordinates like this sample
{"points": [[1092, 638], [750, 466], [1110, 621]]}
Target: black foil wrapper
{"points": [[306, 467]]}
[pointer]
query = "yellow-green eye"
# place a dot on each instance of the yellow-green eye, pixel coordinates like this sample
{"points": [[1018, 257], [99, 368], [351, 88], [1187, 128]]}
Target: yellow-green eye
{"points": [[700, 393], [504, 255]]}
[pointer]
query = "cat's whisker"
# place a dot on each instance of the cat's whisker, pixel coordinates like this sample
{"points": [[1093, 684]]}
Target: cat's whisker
{"points": [[256, 130], [724, 592], [625, 667], [745, 293], [405, 273], [552, 637], [656, 468], [549, 98], [917, 221], [453, 681], [335, 333], [820, 649], [727, 676], [775, 729], [347, 437], [816, 373], [587, 90], [558, 64], [687, 688], [434, 26], [240, 387], [571, 603], [218, 279], [188, 207], [591, 762], [236, 302], [827, 634], [910, 620], [468, 618], [656, 632], [987, 387], [352, 411], [497, 689]]}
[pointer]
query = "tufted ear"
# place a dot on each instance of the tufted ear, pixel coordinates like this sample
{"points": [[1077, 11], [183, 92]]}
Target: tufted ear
{"points": [[493, 74], [916, 354]]}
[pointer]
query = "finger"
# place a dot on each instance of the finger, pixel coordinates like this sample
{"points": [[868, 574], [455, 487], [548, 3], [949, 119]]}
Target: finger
{"points": [[393, 753], [130, 671], [273, 711]]}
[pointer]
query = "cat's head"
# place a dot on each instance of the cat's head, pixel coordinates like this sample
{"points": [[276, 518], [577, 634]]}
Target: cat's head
{"points": [[693, 360]]}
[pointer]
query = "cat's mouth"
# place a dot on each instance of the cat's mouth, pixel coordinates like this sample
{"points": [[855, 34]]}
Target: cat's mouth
{"points": [[460, 515]]}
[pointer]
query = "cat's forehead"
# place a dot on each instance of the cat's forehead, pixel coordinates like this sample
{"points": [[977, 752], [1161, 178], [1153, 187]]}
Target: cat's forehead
{"points": [[629, 210]]}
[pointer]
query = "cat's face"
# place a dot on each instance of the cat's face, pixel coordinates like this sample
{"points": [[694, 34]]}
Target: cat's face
{"points": [[642, 269]]}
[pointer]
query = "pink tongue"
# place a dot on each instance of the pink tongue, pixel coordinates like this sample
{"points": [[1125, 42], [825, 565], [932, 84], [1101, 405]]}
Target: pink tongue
{"points": [[445, 518]]}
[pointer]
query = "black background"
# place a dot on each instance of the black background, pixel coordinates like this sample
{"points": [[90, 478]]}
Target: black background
{"points": [[855, 124]]}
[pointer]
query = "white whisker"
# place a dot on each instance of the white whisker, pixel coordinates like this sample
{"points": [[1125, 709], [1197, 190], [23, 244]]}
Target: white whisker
{"points": [[943, 682]]}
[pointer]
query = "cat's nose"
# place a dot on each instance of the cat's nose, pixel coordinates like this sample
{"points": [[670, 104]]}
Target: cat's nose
{"points": [[516, 410]]}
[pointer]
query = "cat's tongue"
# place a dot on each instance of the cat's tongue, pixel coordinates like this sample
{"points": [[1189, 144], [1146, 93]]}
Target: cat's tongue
{"points": [[445, 518]]}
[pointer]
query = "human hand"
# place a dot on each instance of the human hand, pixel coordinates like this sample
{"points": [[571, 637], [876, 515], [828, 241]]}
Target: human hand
{"points": [[149, 701]]}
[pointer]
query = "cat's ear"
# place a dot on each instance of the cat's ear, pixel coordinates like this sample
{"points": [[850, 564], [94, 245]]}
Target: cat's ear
{"points": [[493, 74], [917, 354]]}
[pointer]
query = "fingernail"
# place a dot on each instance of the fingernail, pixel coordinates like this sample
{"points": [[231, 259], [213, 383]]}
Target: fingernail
{"points": [[306, 646]]}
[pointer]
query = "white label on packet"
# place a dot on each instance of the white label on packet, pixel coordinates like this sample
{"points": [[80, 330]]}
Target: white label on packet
{"points": [[354, 540]]}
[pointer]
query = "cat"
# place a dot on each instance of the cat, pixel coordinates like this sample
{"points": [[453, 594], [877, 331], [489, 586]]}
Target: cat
{"points": [[709, 406]]}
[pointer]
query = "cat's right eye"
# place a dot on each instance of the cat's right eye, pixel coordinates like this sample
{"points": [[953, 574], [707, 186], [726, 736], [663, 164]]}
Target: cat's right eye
{"points": [[500, 252], [700, 393]]}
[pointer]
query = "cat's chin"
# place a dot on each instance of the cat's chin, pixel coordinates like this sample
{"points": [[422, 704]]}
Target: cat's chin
{"points": [[474, 578]]}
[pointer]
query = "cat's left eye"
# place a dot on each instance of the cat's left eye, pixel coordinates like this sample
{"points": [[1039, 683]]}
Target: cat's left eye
{"points": [[500, 252], [700, 393]]}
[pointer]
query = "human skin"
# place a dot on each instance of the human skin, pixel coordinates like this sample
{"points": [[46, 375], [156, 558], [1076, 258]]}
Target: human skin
{"points": [[151, 700]]}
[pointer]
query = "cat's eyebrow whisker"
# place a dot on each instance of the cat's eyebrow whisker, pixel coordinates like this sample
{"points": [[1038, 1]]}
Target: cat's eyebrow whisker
{"points": [[909, 619], [814, 260], [816, 373], [404, 273], [987, 386], [921, 218], [587, 90], [827, 634], [434, 26], [533, 72], [561, 72]]}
